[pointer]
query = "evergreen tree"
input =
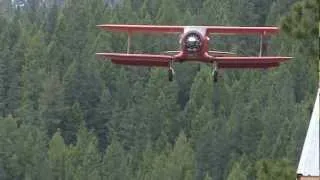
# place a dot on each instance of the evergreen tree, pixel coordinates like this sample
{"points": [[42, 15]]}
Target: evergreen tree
{"points": [[70, 125], [83, 86], [103, 117], [11, 57], [300, 22], [4, 52], [3, 82], [280, 169], [207, 177], [84, 159], [181, 160], [116, 164], [57, 156], [178, 164], [168, 12], [159, 107], [50, 23], [51, 107], [32, 76], [145, 165], [23, 149], [200, 97], [215, 12], [237, 173]]}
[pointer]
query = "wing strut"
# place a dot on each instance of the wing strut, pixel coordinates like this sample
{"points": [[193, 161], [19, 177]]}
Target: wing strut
{"points": [[262, 50], [261, 44], [128, 43]]}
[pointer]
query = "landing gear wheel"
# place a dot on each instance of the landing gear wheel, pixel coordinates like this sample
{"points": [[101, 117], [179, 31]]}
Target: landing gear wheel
{"points": [[215, 72], [215, 76], [170, 74]]}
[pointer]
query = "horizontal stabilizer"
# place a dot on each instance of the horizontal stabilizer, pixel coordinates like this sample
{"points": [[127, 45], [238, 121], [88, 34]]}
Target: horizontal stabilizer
{"points": [[172, 53], [211, 53], [221, 53]]}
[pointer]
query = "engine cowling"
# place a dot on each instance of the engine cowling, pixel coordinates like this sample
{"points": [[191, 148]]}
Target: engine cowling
{"points": [[192, 42]]}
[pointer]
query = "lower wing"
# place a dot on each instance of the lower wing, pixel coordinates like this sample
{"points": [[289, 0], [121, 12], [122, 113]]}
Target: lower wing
{"points": [[249, 62], [223, 62], [138, 59], [247, 65]]}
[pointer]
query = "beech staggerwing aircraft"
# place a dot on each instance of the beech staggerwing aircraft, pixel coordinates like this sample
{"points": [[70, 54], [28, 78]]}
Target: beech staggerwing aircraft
{"points": [[194, 46]]}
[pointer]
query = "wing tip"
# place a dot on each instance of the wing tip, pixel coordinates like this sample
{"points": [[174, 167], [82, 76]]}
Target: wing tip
{"points": [[101, 56], [101, 26]]}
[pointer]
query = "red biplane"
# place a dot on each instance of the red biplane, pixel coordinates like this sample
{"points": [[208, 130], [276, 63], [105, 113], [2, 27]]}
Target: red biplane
{"points": [[194, 46]]}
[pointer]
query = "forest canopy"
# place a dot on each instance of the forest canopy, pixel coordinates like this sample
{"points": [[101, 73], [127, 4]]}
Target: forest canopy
{"points": [[64, 114]]}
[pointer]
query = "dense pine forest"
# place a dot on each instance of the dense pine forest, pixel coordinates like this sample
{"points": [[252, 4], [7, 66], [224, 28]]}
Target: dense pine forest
{"points": [[66, 114]]}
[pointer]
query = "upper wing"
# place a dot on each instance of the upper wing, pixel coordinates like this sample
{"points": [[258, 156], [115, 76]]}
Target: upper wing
{"points": [[241, 30], [138, 59], [179, 29], [141, 28], [249, 62]]}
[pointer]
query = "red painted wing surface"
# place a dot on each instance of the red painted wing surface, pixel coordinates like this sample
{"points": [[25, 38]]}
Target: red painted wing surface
{"points": [[141, 28], [138, 59], [247, 65], [241, 30], [249, 62], [179, 29]]}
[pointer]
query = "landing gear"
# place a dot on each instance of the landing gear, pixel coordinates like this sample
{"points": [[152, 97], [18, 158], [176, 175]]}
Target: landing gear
{"points": [[170, 72], [215, 72], [215, 76]]}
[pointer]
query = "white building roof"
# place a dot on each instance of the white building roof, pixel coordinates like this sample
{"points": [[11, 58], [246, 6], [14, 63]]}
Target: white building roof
{"points": [[309, 160]]}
